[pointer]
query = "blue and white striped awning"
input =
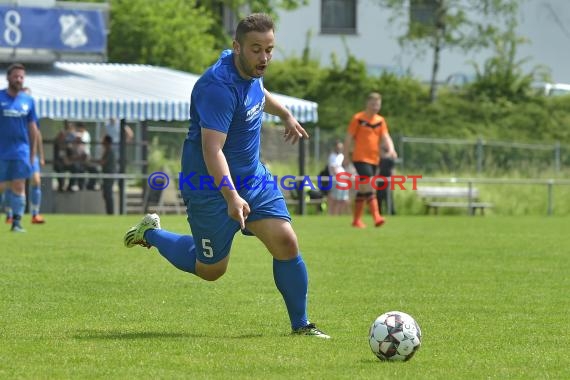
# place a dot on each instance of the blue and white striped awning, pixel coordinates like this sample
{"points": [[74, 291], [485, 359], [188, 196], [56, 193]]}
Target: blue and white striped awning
{"points": [[96, 92], [304, 110]]}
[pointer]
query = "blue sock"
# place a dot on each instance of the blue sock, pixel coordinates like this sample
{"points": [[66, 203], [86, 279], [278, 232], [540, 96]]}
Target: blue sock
{"points": [[18, 203], [180, 250], [293, 282], [35, 200], [8, 202]]}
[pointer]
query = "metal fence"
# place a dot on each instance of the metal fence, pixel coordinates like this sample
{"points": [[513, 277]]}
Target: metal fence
{"points": [[450, 155], [470, 183], [547, 184], [433, 155]]}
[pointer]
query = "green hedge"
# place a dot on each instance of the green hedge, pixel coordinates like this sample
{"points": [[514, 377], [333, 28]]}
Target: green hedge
{"points": [[473, 112]]}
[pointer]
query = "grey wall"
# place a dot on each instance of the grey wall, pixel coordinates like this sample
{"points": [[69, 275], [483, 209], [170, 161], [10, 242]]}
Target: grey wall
{"points": [[545, 22]]}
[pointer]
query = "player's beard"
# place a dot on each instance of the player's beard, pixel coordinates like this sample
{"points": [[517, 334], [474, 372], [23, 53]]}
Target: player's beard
{"points": [[249, 69], [15, 87]]}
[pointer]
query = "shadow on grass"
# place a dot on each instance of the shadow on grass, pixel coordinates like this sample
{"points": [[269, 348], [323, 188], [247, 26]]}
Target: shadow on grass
{"points": [[124, 335]]}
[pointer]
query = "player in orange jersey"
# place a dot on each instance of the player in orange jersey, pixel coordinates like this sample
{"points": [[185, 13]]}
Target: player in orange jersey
{"points": [[366, 132]]}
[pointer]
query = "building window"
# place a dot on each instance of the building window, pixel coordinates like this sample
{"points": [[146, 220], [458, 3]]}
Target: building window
{"points": [[338, 16], [424, 12], [228, 16]]}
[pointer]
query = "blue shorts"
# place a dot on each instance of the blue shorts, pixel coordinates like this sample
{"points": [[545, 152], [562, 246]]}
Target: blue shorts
{"points": [[14, 169], [36, 165], [212, 228]]}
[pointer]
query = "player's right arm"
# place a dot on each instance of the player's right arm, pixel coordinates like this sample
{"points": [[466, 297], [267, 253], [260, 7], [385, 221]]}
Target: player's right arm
{"points": [[212, 144], [215, 104]]}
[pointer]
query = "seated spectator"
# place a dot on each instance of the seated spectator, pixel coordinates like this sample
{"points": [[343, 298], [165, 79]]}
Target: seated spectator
{"points": [[81, 160], [63, 155], [83, 134]]}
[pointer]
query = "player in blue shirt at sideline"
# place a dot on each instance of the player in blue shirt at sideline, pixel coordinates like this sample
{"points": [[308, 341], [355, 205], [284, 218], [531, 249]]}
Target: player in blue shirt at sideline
{"points": [[18, 134], [36, 180], [223, 143]]}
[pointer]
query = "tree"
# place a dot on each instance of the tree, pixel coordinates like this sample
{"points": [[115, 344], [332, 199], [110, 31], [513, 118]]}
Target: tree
{"points": [[226, 13], [172, 33], [242, 7], [182, 34], [468, 25], [502, 75]]}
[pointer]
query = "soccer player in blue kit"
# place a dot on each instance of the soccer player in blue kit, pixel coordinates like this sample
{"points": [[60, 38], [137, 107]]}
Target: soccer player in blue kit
{"points": [[18, 134], [35, 180], [222, 148]]}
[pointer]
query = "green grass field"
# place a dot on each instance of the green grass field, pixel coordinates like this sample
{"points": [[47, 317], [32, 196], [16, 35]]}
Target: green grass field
{"points": [[491, 295]]}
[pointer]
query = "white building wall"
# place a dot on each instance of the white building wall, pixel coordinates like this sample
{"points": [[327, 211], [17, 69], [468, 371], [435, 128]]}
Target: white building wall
{"points": [[546, 23]]}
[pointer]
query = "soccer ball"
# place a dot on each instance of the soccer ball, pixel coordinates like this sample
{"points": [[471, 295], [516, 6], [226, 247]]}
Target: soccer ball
{"points": [[395, 336]]}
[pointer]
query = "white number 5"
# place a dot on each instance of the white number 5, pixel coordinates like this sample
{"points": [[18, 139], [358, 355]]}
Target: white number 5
{"points": [[206, 246]]}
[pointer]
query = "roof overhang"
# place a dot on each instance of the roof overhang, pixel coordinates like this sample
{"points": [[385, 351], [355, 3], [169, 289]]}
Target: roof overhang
{"points": [[94, 92]]}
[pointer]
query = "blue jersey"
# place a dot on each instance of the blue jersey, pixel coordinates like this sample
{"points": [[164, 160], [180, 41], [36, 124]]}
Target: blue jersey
{"points": [[223, 101], [15, 115]]}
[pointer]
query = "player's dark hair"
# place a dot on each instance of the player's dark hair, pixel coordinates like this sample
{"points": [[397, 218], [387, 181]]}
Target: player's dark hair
{"points": [[256, 22], [15, 66]]}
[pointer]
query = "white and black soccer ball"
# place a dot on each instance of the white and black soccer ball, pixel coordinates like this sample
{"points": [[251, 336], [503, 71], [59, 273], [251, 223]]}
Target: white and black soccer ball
{"points": [[395, 336]]}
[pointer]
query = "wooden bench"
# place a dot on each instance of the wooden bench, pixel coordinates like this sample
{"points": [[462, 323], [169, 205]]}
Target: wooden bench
{"points": [[292, 199], [452, 197], [167, 201]]}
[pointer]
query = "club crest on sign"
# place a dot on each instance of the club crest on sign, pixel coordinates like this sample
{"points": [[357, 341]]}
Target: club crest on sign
{"points": [[73, 30]]}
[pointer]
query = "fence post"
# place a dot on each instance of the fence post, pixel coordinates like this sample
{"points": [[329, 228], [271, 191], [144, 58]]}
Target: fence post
{"points": [[388, 196], [550, 205], [144, 158], [470, 199], [557, 157], [123, 168], [479, 155]]}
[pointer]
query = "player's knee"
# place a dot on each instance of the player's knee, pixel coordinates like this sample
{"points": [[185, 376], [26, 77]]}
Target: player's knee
{"points": [[210, 273], [212, 276], [289, 248], [292, 246]]}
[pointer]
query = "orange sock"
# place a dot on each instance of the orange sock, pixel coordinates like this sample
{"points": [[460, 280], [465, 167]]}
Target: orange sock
{"points": [[373, 206], [358, 211]]}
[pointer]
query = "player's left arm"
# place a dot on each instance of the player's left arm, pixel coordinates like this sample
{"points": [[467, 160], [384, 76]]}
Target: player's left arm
{"points": [[33, 136], [293, 130], [33, 131], [40, 147], [389, 143]]}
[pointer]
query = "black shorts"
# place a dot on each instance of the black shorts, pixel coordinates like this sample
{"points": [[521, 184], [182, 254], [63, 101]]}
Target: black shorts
{"points": [[365, 169]]}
